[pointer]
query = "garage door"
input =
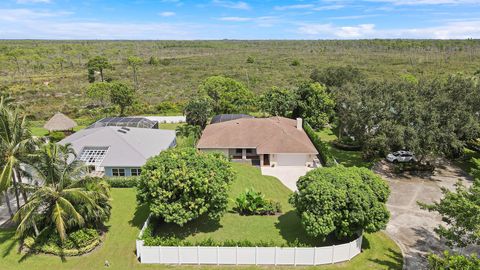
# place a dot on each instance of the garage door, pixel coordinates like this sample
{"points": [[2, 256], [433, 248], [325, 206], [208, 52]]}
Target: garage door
{"points": [[291, 160]]}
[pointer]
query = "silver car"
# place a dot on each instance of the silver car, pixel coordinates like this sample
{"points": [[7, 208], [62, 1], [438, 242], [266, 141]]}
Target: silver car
{"points": [[401, 156]]}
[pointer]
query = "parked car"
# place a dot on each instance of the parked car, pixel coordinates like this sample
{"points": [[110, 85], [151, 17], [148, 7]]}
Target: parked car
{"points": [[402, 157]]}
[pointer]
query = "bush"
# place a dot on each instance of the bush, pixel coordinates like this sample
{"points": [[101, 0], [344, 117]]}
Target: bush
{"points": [[341, 201], [251, 202], [455, 261], [295, 63], [413, 167], [182, 184], [122, 182], [56, 136], [77, 242], [347, 145], [250, 60], [326, 155]]}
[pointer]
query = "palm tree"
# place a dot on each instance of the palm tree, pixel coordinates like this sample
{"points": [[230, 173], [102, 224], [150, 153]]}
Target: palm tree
{"points": [[67, 199], [16, 143]]}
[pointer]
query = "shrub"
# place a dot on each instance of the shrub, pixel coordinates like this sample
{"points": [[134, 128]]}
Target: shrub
{"points": [[56, 136], [295, 63], [77, 242], [454, 261], [251, 202], [250, 60], [122, 182], [328, 160], [347, 144], [182, 184], [341, 201]]}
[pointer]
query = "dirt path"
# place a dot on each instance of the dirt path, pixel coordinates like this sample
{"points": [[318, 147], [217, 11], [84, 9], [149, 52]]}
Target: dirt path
{"points": [[411, 227]]}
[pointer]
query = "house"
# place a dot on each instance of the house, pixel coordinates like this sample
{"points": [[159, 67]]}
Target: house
{"points": [[118, 151], [60, 122], [228, 117], [274, 141]]}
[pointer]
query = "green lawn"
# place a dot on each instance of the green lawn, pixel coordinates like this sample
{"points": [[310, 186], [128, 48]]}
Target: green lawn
{"points": [[37, 127], [379, 251], [346, 158]]}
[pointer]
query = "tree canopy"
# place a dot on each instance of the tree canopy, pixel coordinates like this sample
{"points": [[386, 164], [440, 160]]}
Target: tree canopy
{"points": [[430, 118], [278, 102], [197, 111], [121, 95], [336, 76], [99, 64], [341, 201], [314, 104], [227, 94], [182, 184]]}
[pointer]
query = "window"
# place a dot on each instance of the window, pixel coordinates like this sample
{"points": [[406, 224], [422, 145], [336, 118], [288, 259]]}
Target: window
{"points": [[249, 151], [118, 172], [135, 171], [93, 155], [238, 151]]}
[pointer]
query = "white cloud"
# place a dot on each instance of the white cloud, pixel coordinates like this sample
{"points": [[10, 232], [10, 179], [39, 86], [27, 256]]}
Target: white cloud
{"points": [[231, 4], [23, 14], [428, 2], [167, 14], [451, 30], [308, 6], [235, 19], [343, 32], [33, 1], [265, 21]]}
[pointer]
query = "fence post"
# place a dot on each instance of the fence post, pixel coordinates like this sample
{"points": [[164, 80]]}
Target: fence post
{"points": [[256, 249], [333, 253], [275, 257], [178, 255], [218, 255], [160, 254], [350, 250], [314, 256], [295, 256], [236, 255], [198, 255]]}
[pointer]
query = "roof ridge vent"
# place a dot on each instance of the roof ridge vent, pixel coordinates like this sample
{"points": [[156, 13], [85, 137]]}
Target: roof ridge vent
{"points": [[122, 131]]}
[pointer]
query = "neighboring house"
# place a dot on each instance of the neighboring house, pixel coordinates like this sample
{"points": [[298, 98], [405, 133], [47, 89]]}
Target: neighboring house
{"points": [[274, 141], [228, 117], [119, 151], [167, 119]]}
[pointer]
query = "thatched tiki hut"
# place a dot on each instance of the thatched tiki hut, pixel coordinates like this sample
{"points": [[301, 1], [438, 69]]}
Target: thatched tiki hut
{"points": [[60, 122]]}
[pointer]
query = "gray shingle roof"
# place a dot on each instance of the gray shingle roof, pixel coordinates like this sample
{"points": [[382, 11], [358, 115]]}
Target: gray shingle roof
{"points": [[126, 146]]}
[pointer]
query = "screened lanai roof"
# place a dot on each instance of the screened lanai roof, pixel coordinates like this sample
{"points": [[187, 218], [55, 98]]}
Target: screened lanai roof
{"points": [[228, 117], [138, 122]]}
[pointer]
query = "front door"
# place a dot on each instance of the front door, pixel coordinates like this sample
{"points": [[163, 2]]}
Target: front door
{"points": [[266, 159]]}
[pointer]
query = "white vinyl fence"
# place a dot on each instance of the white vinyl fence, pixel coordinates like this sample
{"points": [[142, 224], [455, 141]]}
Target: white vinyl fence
{"points": [[247, 255]]}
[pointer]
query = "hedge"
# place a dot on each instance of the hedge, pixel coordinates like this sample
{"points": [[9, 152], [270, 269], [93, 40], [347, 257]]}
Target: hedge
{"points": [[326, 156], [346, 147], [122, 181], [152, 240]]}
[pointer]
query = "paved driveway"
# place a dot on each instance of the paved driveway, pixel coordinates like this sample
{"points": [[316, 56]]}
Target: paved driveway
{"points": [[411, 227], [288, 175]]}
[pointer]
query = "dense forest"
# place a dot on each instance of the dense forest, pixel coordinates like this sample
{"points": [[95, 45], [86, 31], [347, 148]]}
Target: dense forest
{"points": [[50, 76]]}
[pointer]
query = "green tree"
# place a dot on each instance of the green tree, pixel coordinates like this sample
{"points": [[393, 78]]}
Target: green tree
{"points": [[336, 76], [460, 209], [16, 143], [99, 93], [134, 62], [341, 201], [182, 184], [314, 104], [197, 111], [66, 200], [187, 131], [97, 63], [228, 95], [121, 95], [278, 102], [449, 261]]}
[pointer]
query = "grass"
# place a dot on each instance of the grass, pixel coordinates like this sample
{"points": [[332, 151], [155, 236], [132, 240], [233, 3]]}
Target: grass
{"points": [[346, 158], [379, 252], [36, 127]]}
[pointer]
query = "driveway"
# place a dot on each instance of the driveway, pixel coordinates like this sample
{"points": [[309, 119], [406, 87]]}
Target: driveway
{"points": [[411, 227], [288, 175]]}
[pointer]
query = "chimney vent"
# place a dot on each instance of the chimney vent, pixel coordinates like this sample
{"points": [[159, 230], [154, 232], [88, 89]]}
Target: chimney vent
{"points": [[299, 124]]}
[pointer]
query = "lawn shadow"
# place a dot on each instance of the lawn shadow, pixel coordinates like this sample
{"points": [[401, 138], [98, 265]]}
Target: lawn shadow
{"points": [[8, 235], [395, 261], [200, 225], [140, 216]]}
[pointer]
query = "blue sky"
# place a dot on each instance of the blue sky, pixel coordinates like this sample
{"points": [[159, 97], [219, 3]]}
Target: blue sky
{"points": [[246, 19]]}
